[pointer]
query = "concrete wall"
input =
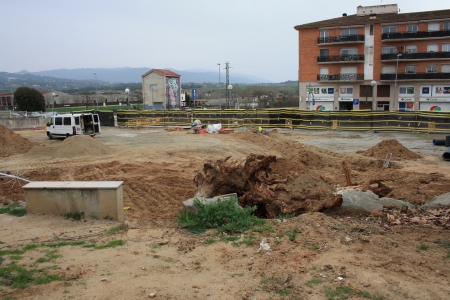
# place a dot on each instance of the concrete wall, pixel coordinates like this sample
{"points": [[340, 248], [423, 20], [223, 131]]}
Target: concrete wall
{"points": [[23, 123], [96, 199]]}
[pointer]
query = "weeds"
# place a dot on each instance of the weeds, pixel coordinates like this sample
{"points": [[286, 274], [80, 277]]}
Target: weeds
{"points": [[291, 234], [115, 229], [111, 244], [313, 282], [287, 216], [346, 292], [423, 247], [49, 256], [13, 211], [77, 216], [209, 242], [226, 215]]}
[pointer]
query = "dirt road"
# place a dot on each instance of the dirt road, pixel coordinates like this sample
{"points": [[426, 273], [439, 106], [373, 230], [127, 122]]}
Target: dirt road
{"points": [[312, 256]]}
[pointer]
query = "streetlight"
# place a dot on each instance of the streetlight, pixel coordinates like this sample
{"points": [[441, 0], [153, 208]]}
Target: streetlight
{"points": [[53, 103], [127, 91], [395, 83], [218, 90], [373, 83], [96, 93]]}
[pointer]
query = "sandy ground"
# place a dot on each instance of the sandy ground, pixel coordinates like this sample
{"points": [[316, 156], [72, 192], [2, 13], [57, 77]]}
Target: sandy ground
{"points": [[329, 252]]}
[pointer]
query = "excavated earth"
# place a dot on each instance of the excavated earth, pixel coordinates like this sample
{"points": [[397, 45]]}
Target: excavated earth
{"points": [[311, 255]]}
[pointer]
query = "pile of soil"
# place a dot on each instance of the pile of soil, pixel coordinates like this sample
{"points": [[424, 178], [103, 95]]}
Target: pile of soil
{"points": [[12, 143], [399, 152], [76, 146]]}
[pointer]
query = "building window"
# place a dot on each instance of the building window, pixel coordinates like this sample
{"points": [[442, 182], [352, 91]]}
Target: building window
{"points": [[410, 69], [446, 47], [349, 70], [349, 51], [371, 29], [411, 49], [389, 29], [446, 25], [411, 28], [425, 90], [406, 90], [324, 33], [365, 90], [387, 69], [445, 68], [431, 68], [433, 26], [432, 48], [349, 31], [388, 50], [383, 90], [323, 52], [345, 91]]}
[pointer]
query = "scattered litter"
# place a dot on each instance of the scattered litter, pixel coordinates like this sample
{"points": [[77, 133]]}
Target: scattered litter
{"points": [[104, 279], [348, 239], [152, 295], [340, 278], [126, 208], [264, 246]]}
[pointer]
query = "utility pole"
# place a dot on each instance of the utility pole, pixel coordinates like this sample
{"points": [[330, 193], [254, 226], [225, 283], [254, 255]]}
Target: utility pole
{"points": [[228, 86]]}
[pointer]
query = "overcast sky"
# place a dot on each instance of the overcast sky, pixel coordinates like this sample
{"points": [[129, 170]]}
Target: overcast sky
{"points": [[255, 36]]}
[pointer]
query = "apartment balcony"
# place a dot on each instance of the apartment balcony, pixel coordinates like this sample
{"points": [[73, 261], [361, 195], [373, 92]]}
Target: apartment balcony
{"points": [[415, 76], [340, 77], [417, 56], [341, 58], [341, 39], [415, 35]]}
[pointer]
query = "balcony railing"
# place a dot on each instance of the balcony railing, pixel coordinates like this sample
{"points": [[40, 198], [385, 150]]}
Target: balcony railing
{"points": [[341, 39], [415, 35], [340, 77], [408, 76], [343, 58], [424, 55]]}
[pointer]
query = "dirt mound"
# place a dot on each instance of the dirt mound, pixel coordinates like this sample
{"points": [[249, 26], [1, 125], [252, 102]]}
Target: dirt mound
{"points": [[75, 146], [12, 143], [398, 151]]}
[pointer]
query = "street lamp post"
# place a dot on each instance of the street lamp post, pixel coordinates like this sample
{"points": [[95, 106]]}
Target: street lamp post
{"points": [[53, 103], [395, 82], [127, 91], [373, 83], [218, 90], [96, 92]]}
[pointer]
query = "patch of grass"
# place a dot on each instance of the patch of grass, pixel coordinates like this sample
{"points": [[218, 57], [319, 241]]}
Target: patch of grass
{"points": [[111, 244], [291, 234], [313, 282], [342, 292], [16, 257], [227, 239], [49, 256], [47, 279], [248, 240], [227, 216], [13, 211], [209, 242], [444, 244], [269, 228], [285, 292], [29, 247], [16, 276], [423, 247], [314, 247], [11, 252], [446, 257], [64, 243], [115, 229], [77, 216], [287, 216]]}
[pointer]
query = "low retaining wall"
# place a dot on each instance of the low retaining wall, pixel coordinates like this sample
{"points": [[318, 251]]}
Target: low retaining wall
{"points": [[96, 199]]}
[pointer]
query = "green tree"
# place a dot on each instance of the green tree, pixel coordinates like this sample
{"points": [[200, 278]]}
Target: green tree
{"points": [[29, 99]]}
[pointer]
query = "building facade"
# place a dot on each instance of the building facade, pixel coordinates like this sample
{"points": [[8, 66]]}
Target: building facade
{"points": [[377, 59], [161, 89]]}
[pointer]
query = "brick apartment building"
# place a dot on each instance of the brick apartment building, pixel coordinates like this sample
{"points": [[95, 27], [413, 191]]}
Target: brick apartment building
{"points": [[402, 59]]}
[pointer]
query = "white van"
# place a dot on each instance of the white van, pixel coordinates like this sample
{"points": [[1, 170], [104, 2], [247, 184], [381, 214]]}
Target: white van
{"points": [[66, 125]]}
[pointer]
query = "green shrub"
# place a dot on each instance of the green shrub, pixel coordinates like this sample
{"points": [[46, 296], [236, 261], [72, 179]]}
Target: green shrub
{"points": [[226, 216]]}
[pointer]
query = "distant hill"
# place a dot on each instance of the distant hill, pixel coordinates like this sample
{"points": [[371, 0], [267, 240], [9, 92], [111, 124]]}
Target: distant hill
{"points": [[133, 75]]}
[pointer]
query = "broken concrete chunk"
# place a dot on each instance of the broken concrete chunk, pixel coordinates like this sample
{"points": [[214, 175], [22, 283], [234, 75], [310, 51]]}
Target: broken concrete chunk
{"points": [[189, 203]]}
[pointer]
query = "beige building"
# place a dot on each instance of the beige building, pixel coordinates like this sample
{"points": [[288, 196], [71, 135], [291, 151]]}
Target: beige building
{"points": [[161, 89]]}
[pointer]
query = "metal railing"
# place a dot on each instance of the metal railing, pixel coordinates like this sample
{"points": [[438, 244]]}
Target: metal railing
{"points": [[421, 55], [340, 77], [407, 76], [415, 35], [341, 39], [342, 58]]}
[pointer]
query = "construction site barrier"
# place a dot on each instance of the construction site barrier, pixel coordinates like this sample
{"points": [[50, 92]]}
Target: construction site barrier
{"points": [[358, 120]]}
